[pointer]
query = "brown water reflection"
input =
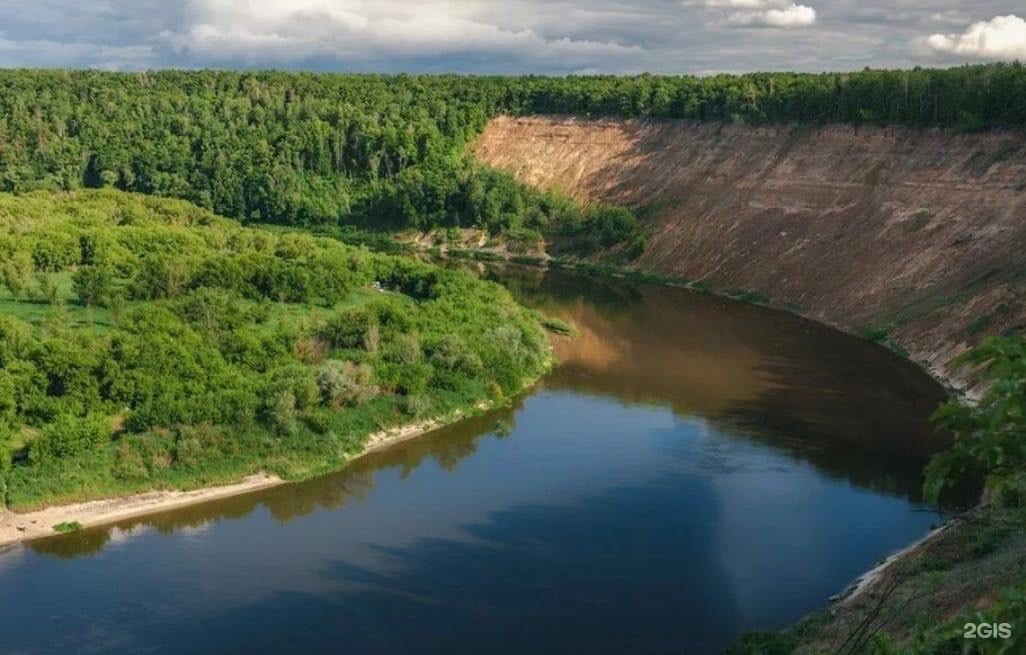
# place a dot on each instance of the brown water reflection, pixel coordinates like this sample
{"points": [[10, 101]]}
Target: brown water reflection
{"points": [[853, 408]]}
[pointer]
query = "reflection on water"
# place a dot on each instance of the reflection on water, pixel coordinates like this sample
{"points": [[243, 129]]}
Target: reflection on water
{"points": [[851, 407], [694, 468]]}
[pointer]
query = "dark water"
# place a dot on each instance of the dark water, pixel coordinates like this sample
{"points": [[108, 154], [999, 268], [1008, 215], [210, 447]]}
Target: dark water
{"points": [[694, 469]]}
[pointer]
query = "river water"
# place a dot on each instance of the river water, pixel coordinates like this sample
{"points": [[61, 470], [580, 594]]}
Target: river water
{"points": [[695, 468]]}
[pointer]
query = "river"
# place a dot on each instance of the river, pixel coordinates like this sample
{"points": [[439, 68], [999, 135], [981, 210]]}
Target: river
{"points": [[694, 468]]}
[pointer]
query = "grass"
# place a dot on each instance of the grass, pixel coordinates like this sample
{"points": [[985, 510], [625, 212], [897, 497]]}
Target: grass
{"points": [[983, 322], [477, 255], [747, 296], [36, 311], [558, 326], [979, 325], [897, 348], [875, 333], [67, 526]]}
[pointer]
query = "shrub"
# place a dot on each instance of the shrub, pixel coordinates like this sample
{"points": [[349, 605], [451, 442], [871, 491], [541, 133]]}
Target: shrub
{"points": [[129, 463], [558, 325], [352, 328], [612, 225], [68, 435], [199, 444], [55, 251], [415, 406], [281, 412], [989, 434], [345, 383]]}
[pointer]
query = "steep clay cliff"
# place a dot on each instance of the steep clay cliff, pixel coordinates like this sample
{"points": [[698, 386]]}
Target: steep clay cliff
{"points": [[919, 232]]}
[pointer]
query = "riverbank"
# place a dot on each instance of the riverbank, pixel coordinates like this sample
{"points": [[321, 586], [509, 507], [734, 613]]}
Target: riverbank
{"points": [[16, 527], [920, 594]]}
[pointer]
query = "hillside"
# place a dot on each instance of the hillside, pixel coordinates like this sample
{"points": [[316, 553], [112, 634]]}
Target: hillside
{"points": [[911, 236]]}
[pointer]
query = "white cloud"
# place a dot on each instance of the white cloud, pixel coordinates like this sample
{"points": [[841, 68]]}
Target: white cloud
{"points": [[486, 36], [63, 53], [1002, 37], [791, 16], [744, 4], [269, 30]]}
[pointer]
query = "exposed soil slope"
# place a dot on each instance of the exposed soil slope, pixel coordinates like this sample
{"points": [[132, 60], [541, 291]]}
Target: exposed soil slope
{"points": [[920, 232]]}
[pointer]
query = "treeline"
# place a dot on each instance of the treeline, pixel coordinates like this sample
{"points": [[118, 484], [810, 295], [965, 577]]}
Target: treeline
{"points": [[147, 342], [967, 97], [389, 151]]}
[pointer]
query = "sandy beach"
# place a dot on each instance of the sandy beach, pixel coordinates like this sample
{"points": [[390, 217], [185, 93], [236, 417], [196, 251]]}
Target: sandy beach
{"points": [[15, 527]]}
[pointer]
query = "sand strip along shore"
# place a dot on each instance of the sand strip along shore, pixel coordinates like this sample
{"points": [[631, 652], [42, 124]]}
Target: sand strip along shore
{"points": [[15, 527], [867, 580]]}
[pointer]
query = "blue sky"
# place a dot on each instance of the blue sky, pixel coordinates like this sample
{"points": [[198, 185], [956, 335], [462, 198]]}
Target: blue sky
{"points": [[514, 36]]}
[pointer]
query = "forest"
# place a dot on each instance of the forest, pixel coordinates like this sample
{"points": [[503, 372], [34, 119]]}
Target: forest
{"points": [[127, 315], [147, 343], [383, 152]]}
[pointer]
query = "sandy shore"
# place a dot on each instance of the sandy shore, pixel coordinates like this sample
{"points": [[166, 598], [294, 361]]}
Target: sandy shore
{"points": [[869, 579], [15, 527], [32, 525]]}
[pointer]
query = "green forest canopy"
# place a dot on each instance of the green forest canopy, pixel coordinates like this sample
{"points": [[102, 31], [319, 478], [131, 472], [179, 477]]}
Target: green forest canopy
{"points": [[145, 342], [389, 151]]}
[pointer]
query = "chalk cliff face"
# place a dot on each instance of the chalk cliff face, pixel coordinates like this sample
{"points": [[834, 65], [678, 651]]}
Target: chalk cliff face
{"points": [[921, 232]]}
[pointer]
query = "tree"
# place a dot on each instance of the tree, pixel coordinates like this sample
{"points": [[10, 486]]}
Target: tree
{"points": [[990, 436], [92, 285], [47, 288], [15, 276]]}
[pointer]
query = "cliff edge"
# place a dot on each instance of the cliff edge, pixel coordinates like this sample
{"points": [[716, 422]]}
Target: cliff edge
{"points": [[917, 234]]}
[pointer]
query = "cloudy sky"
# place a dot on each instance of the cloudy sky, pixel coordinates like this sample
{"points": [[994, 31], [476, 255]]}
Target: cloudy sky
{"points": [[510, 36]]}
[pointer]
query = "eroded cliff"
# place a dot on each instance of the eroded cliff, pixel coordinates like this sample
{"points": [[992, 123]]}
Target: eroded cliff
{"points": [[919, 233]]}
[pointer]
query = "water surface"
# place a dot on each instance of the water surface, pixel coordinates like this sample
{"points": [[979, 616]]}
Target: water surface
{"points": [[695, 468]]}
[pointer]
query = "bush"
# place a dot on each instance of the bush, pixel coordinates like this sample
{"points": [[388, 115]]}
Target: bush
{"points": [[201, 444], [558, 326], [353, 328], [989, 434], [129, 463], [612, 225], [415, 406], [345, 383], [55, 251], [281, 412], [68, 435]]}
